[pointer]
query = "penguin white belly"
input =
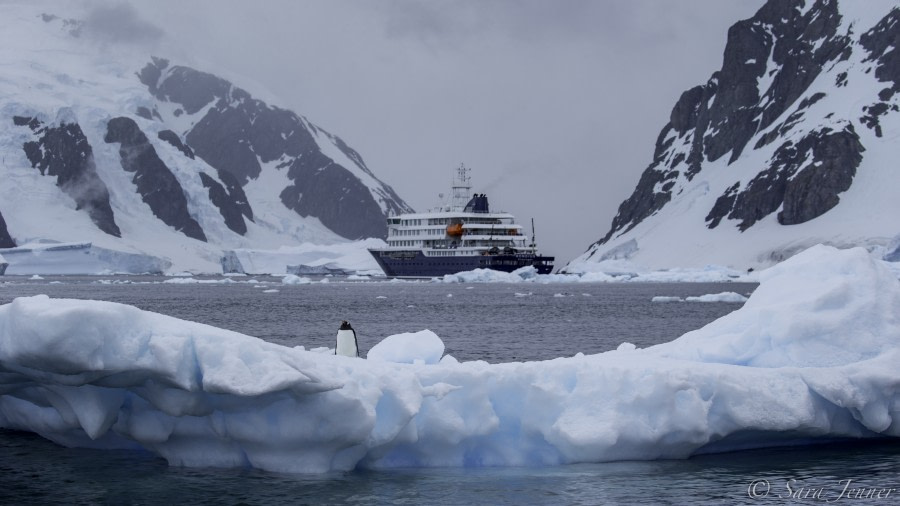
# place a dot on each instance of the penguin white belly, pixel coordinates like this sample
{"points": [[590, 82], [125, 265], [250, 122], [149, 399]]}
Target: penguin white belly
{"points": [[346, 343]]}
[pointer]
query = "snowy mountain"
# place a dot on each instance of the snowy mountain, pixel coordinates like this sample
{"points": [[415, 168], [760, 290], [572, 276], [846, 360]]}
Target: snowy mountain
{"points": [[134, 154], [792, 142]]}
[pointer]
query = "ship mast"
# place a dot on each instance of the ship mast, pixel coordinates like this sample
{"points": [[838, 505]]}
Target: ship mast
{"points": [[461, 189], [533, 242]]}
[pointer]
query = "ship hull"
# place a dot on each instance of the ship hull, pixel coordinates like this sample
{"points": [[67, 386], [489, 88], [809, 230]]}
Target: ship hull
{"points": [[413, 263]]}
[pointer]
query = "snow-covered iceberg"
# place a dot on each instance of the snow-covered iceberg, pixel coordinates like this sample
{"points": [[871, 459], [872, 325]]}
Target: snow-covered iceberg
{"points": [[810, 356]]}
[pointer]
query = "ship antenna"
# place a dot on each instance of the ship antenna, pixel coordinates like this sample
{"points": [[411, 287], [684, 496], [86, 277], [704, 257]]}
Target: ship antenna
{"points": [[533, 243]]}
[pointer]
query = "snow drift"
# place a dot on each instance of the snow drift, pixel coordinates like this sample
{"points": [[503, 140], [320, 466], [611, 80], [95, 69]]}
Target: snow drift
{"points": [[811, 356]]}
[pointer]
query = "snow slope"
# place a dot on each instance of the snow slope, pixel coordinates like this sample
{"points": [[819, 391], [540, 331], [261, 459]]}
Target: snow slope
{"points": [[756, 147], [55, 72], [811, 356]]}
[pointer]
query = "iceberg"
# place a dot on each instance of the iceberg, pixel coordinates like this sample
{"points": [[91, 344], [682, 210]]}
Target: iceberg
{"points": [[78, 258], [3, 265], [811, 356], [729, 297], [305, 259]]}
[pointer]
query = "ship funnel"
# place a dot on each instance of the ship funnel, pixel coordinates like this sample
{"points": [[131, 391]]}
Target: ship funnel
{"points": [[478, 204]]}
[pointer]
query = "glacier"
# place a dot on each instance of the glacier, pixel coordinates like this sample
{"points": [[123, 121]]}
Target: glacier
{"points": [[79, 258], [810, 357]]}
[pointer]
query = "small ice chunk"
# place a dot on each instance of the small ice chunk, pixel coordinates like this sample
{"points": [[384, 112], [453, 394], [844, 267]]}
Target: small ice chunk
{"points": [[663, 298], [293, 279], [409, 347], [719, 297]]}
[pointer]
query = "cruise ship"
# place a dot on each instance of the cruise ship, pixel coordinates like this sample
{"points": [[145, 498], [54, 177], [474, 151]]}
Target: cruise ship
{"points": [[458, 236]]}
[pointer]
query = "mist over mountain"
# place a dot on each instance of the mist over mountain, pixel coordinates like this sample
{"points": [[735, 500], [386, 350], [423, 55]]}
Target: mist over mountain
{"points": [[142, 155], [792, 142]]}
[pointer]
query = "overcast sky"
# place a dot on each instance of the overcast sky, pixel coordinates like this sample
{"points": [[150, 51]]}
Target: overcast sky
{"points": [[555, 105]]}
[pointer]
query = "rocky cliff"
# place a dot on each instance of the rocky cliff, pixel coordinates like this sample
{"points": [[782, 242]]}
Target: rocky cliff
{"points": [[787, 145]]}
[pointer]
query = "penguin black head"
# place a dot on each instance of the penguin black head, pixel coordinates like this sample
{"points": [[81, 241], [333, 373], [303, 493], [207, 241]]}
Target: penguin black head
{"points": [[345, 325]]}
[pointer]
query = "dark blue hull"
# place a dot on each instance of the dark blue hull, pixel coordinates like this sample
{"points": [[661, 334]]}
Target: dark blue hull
{"points": [[413, 263]]}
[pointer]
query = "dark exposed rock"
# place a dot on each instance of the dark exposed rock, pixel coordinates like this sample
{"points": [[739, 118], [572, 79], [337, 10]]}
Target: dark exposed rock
{"points": [[152, 72], [723, 206], [794, 118], [687, 109], [873, 112], [64, 152], [882, 42], [316, 177], [841, 80], [5, 240], [237, 133], [173, 139], [805, 178], [828, 172], [182, 85], [236, 192], [144, 113], [156, 184], [220, 139], [762, 197], [227, 207]]}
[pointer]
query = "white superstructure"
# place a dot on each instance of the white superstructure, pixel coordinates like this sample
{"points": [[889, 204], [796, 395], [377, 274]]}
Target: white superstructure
{"points": [[464, 226]]}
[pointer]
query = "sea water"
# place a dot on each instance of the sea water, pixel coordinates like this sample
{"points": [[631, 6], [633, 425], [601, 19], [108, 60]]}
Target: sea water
{"points": [[492, 322]]}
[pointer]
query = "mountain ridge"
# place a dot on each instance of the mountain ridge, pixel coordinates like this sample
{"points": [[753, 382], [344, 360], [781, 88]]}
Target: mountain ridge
{"points": [[164, 160], [775, 150]]}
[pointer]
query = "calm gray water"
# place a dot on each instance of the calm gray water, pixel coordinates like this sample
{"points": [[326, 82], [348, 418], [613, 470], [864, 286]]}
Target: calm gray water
{"points": [[493, 322]]}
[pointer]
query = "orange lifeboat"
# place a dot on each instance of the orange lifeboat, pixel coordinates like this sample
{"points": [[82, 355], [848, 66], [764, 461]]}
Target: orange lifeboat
{"points": [[455, 230]]}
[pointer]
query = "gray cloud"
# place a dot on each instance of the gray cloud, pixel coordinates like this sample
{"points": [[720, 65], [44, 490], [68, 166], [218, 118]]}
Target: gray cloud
{"points": [[119, 22], [444, 22]]}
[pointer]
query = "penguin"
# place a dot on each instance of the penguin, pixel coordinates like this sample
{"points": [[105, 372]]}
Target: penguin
{"points": [[346, 341]]}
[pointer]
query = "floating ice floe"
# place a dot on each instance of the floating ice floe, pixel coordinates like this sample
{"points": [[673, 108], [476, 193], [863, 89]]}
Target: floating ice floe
{"points": [[195, 281], [666, 298], [730, 297], [718, 297], [710, 274], [811, 356], [293, 279]]}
